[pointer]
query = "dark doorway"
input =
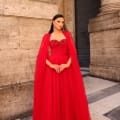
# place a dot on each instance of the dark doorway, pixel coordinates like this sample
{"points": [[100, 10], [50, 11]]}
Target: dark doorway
{"points": [[84, 10], [83, 47]]}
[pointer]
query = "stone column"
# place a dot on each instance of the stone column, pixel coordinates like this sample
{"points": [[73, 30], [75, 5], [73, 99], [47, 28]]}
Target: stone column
{"points": [[105, 41], [69, 13]]}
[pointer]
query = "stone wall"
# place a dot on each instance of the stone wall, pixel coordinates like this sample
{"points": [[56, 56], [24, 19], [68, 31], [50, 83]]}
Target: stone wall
{"points": [[105, 41], [22, 24]]}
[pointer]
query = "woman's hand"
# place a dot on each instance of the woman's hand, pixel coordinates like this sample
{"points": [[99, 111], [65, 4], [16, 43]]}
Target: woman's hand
{"points": [[59, 68], [63, 66], [56, 67]]}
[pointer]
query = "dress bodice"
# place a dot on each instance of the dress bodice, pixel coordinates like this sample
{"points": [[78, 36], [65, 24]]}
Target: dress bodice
{"points": [[58, 50]]}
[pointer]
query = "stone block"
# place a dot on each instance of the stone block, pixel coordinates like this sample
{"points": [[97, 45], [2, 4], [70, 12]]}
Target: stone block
{"points": [[106, 72], [105, 39], [108, 57], [16, 100], [110, 6], [1, 7], [105, 54], [105, 22], [16, 66], [104, 2], [9, 33], [31, 32], [29, 8]]}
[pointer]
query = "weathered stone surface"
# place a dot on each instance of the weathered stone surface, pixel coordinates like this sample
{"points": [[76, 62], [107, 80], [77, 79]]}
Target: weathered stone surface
{"points": [[1, 6], [105, 22], [105, 54], [29, 8], [47, 1], [69, 15], [104, 41], [16, 99], [104, 2], [9, 33], [107, 72], [21, 32], [31, 32], [110, 6], [16, 66], [105, 57], [61, 6], [22, 25]]}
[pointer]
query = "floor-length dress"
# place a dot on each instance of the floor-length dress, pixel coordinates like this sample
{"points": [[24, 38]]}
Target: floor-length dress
{"points": [[61, 95]]}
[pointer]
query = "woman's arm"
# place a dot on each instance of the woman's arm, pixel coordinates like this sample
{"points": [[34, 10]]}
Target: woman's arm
{"points": [[65, 65], [53, 66], [68, 62], [49, 63]]}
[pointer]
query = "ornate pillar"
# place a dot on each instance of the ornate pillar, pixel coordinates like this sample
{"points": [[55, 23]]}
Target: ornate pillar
{"points": [[105, 41]]}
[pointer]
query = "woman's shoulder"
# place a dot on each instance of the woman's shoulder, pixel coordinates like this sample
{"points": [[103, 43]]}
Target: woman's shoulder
{"points": [[45, 35], [68, 33]]}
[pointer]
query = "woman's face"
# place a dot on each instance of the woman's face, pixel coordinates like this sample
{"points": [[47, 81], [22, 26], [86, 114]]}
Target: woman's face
{"points": [[58, 23]]}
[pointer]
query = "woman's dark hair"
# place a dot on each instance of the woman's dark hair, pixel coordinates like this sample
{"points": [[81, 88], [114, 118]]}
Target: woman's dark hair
{"points": [[55, 17]]}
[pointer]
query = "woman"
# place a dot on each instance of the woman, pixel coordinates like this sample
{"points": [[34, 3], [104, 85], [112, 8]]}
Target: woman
{"points": [[59, 92]]}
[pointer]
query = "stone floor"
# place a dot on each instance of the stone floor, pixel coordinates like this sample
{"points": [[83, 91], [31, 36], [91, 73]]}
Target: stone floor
{"points": [[103, 97]]}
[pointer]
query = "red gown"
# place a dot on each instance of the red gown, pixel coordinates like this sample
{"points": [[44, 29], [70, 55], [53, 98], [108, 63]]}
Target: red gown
{"points": [[59, 96]]}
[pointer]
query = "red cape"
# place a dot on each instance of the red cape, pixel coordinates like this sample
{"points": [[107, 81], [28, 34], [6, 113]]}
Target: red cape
{"points": [[39, 73]]}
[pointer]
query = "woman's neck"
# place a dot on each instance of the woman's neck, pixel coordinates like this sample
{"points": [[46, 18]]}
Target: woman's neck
{"points": [[57, 31]]}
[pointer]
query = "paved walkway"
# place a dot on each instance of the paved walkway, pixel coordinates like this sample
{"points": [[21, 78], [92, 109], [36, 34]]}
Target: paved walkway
{"points": [[103, 97]]}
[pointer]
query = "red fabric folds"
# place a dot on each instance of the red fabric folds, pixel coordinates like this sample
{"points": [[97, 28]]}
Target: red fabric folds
{"points": [[59, 96]]}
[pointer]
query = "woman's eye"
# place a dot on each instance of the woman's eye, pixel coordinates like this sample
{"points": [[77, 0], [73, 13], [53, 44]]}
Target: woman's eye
{"points": [[58, 21]]}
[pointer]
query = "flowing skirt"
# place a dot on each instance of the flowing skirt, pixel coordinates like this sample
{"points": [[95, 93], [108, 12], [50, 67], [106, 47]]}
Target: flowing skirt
{"points": [[60, 96]]}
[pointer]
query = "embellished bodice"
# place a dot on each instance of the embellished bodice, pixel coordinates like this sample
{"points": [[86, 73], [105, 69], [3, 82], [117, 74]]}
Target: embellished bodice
{"points": [[58, 51]]}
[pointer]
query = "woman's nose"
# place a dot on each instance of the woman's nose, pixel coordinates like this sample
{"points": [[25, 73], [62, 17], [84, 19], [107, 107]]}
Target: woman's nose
{"points": [[61, 24]]}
